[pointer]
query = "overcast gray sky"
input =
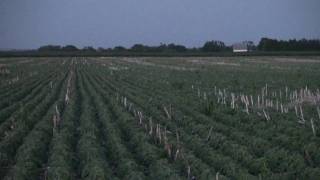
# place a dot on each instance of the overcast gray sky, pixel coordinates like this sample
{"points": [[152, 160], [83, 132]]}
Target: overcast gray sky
{"points": [[28, 24]]}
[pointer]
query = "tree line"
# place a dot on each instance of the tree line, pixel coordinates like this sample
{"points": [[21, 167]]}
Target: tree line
{"points": [[265, 44], [210, 46]]}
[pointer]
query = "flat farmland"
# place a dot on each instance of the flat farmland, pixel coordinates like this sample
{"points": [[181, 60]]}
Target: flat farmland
{"points": [[160, 118]]}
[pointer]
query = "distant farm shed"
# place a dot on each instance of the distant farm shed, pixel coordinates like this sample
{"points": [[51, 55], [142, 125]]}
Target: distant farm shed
{"points": [[245, 46]]}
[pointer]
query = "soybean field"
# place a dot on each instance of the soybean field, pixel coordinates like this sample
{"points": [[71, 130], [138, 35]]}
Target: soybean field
{"points": [[137, 118]]}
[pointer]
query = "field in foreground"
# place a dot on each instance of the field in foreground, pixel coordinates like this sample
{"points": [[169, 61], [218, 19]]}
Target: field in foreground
{"points": [[160, 118]]}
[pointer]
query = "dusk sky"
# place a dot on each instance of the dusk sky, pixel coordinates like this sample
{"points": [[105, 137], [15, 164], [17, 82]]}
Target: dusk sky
{"points": [[26, 24]]}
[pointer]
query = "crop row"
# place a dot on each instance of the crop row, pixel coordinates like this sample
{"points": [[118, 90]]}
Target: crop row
{"points": [[274, 152]]}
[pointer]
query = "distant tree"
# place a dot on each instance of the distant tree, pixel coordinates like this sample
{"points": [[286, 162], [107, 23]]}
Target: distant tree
{"points": [[251, 45], [139, 48], [101, 49], [69, 48], [119, 48], [162, 47], [89, 49], [177, 48], [214, 46], [50, 48], [267, 44]]}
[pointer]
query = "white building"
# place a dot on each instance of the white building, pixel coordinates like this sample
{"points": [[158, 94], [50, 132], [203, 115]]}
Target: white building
{"points": [[245, 46]]}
